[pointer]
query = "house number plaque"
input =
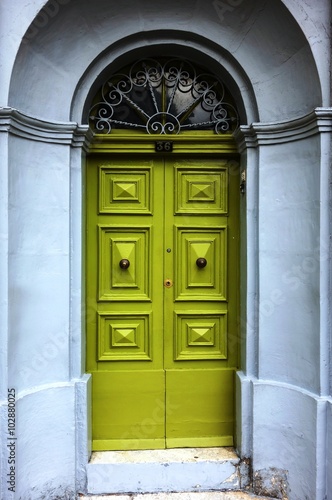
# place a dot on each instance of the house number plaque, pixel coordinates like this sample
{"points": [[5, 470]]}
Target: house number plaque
{"points": [[164, 146]]}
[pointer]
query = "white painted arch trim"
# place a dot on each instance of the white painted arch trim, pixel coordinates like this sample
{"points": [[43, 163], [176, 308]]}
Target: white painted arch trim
{"points": [[17, 123], [264, 134], [248, 136]]}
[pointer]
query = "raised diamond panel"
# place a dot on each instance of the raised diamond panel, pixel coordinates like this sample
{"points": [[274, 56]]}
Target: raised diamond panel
{"points": [[124, 190], [116, 244], [200, 336], [123, 337], [202, 191], [193, 282]]}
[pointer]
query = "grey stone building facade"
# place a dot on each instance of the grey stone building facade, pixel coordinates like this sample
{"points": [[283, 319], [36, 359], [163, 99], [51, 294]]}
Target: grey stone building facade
{"points": [[275, 56]]}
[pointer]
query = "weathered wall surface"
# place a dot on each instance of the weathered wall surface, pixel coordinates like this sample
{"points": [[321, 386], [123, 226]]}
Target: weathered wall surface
{"points": [[14, 23], [39, 250], [286, 387], [44, 312], [46, 437], [276, 57], [289, 233], [285, 420], [83, 34], [328, 444]]}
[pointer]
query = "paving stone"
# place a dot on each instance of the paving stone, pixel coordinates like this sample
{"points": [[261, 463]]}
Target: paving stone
{"points": [[208, 495], [181, 470], [106, 497]]}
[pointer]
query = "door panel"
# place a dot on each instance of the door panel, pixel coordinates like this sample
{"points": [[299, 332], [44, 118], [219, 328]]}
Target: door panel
{"points": [[193, 282], [128, 410], [200, 335], [162, 255], [132, 243], [124, 337], [199, 367], [199, 406], [125, 334], [128, 191], [201, 191]]}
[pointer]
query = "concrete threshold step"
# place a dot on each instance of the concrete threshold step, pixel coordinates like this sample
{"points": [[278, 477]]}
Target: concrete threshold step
{"points": [[165, 471], [208, 495]]}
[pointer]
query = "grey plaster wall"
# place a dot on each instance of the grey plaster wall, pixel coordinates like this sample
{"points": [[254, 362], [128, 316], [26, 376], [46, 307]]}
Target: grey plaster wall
{"points": [[285, 420], [261, 36], [39, 250], [289, 256], [278, 66], [14, 24], [329, 451], [312, 18], [51, 409], [46, 444]]}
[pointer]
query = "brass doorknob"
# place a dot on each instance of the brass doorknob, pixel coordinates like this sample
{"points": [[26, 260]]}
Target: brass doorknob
{"points": [[201, 262], [124, 263]]}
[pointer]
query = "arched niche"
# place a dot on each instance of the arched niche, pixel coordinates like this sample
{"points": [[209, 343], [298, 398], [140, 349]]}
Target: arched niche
{"points": [[263, 43], [236, 84]]}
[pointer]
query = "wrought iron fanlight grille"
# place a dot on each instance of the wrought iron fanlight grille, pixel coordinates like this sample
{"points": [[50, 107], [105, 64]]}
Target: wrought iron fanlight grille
{"points": [[163, 98]]}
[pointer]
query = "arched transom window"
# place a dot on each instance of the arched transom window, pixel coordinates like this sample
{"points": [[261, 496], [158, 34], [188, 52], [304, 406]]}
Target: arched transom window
{"points": [[163, 97]]}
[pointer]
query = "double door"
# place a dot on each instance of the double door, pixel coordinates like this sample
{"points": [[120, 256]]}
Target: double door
{"points": [[162, 308]]}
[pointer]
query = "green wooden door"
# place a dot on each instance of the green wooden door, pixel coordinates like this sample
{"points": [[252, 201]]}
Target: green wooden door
{"points": [[162, 286]]}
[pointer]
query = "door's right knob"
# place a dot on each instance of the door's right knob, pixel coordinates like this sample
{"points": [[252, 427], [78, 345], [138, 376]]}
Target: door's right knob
{"points": [[124, 263], [201, 262]]}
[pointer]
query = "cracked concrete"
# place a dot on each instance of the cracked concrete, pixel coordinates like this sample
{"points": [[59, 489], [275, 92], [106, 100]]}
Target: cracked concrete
{"points": [[208, 495]]}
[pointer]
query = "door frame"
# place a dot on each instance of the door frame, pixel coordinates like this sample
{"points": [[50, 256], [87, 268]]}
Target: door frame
{"points": [[188, 145], [203, 143]]}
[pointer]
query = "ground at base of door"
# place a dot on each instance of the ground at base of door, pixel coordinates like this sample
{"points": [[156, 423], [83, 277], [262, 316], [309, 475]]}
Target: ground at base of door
{"points": [[156, 471], [207, 495]]}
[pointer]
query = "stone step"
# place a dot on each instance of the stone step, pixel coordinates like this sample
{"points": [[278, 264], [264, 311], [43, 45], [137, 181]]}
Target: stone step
{"points": [[172, 470], [216, 495]]}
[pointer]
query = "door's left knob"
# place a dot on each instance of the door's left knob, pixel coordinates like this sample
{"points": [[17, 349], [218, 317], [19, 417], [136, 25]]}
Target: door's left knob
{"points": [[124, 263], [201, 262]]}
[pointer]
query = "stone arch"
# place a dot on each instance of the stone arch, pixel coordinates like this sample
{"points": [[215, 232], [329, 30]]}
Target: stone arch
{"points": [[263, 42], [218, 62]]}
